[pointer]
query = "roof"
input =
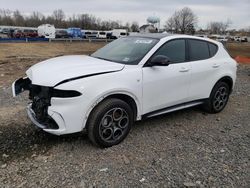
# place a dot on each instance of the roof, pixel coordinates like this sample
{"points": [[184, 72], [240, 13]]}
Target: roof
{"points": [[145, 26], [153, 35]]}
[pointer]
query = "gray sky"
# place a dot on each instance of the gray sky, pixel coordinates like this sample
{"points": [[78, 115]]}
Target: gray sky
{"points": [[238, 11]]}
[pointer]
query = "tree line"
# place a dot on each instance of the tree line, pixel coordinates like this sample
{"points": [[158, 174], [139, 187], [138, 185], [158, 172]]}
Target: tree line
{"points": [[182, 21], [59, 20]]}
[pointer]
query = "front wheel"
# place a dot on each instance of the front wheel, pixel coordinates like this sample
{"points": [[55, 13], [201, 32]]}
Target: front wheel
{"points": [[110, 122], [218, 98]]}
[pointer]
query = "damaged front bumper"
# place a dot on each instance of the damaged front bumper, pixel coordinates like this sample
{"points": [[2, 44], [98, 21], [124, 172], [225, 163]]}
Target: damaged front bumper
{"points": [[53, 110], [55, 123]]}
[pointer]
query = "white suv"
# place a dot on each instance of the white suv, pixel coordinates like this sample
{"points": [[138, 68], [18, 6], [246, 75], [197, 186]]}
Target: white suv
{"points": [[127, 80]]}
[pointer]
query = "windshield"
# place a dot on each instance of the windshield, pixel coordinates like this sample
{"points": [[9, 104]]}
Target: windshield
{"points": [[127, 50]]}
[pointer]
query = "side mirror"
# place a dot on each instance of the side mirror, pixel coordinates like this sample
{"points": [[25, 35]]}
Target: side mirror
{"points": [[159, 60]]}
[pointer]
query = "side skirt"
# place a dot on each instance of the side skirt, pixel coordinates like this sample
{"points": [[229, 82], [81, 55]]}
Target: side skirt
{"points": [[173, 108]]}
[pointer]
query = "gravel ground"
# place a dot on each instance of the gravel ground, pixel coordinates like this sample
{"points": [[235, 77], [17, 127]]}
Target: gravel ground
{"points": [[188, 148]]}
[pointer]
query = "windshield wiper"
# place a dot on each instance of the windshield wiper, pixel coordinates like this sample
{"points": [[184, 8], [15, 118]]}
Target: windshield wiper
{"points": [[101, 58]]}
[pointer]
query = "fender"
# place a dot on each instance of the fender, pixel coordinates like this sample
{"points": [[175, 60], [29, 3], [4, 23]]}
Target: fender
{"points": [[99, 99]]}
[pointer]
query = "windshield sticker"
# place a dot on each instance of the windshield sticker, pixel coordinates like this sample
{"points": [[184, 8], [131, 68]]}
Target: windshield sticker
{"points": [[143, 41], [126, 59]]}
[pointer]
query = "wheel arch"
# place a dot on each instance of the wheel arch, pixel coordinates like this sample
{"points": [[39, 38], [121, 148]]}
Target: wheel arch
{"points": [[127, 97], [228, 80]]}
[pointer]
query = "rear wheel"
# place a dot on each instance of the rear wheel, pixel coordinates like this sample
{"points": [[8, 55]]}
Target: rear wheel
{"points": [[110, 122], [218, 98]]}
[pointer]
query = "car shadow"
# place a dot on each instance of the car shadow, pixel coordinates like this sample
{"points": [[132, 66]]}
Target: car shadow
{"points": [[21, 141]]}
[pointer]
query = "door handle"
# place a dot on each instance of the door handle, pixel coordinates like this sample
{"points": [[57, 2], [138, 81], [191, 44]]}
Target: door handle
{"points": [[216, 65], [183, 69]]}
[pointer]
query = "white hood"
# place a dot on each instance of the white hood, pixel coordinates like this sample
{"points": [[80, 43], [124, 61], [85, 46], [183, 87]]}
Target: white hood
{"points": [[55, 70]]}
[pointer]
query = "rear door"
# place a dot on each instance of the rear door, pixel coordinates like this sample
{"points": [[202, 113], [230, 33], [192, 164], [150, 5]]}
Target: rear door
{"points": [[205, 67]]}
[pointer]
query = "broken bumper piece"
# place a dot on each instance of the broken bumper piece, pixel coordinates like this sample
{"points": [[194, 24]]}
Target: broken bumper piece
{"points": [[51, 124]]}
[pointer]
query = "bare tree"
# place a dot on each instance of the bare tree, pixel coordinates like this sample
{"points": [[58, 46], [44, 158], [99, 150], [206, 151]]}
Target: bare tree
{"points": [[18, 18], [6, 18], [58, 15], [182, 21], [219, 27], [170, 25], [84, 21], [135, 27]]}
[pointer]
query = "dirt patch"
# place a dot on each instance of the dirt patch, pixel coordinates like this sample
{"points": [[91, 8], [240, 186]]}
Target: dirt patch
{"points": [[16, 58], [239, 49]]}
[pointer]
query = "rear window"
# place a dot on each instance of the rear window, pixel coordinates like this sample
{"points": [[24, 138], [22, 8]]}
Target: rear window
{"points": [[212, 49], [198, 50]]}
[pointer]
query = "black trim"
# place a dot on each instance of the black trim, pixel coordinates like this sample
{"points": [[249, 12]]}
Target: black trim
{"points": [[208, 42], [21, 85], [85, 76], [144, 116], [64, 93], [187, 51], [217, 49], [186, 60]]}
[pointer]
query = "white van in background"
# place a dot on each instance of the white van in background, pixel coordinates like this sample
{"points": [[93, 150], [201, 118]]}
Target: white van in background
{"points": [[117, 33], [47, 31], [102, 35], [222, 39]]}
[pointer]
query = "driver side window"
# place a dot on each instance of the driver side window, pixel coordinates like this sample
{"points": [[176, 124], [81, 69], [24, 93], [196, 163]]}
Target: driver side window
{"points": [[175, 50]]}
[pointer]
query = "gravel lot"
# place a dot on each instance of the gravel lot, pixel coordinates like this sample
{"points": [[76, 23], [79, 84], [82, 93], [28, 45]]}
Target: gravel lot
{"points": [[185, 148]]}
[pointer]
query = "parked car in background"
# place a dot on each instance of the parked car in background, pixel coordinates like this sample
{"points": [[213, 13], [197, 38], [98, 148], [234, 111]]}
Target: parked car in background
{"points": [[6, 30], [9, 32], [18, 33], [202, 36], [237, 39], [130, 79], [30, 33], [94, 34], [87, 34], [47, 31], [62, 34], [244, 39], [74, 32], [109, 35], [102, 35], [222, 39], [117, 33]]}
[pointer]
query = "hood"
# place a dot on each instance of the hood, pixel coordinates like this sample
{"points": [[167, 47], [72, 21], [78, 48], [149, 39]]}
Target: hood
{"points": [[60, 69]]}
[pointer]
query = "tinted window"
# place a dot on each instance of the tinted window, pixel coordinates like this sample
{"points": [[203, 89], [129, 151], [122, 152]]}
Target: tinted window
{"points": [[174, 50], [198, 50], [213, 49]]}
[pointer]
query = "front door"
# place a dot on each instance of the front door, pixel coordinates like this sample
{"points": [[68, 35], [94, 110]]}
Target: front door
{"points": [[165, 86]]}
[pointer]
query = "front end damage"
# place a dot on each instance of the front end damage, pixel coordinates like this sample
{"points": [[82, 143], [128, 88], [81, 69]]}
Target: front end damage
{"points": [[38, 110]]}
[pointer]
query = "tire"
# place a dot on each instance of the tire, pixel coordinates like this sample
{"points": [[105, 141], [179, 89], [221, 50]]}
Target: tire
{"points": [[110, 122], [218, 98]]}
